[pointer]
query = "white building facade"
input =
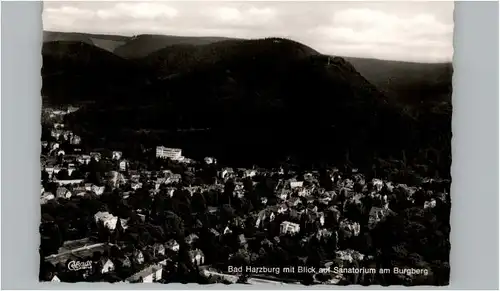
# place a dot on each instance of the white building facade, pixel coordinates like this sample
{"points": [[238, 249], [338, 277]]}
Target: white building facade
{"points": [[171, 153]]}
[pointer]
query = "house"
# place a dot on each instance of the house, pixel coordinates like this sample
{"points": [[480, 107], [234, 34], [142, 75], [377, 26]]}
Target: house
{"points": [[136, 186], [54, 113], [161, 180], [170, 191], [323, 233], [69, 182], [226, 173], [308, 176], [46, 197], [197, 257], [70, 169], [296, 184], [171, 153], [54, 146], [249, 173], [158, 249], [109, 220], [266, 242], [56, 133], [63, 192], [283, 195], [312, 208], [134, 176], [172, 245], [58, 125], [98, 190], [75, 140], [295, 201], [116, 178], [138, 257], [210, 160], [323, 200], [67, 134], [123, 165], [55, 279], [96, 156], [214, 232], [242, 241], [107, 267], [212, 209], [430, 204], [352, 228], [166, 173], [239, 193], [282, 208], [191, 239], [303, 192], [84, 159], [238, 185], [348, 184], [57, 169], [349, 256], [174, 178], [260, 220], [321, 218], [287, 227], [71, 109], [149, 274], [125, 262], [377, 184], [376, 215], [116, 155], [272, 216]]}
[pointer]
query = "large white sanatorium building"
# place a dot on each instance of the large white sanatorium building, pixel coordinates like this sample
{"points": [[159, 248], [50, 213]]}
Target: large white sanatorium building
{"points": [[171, 153]]}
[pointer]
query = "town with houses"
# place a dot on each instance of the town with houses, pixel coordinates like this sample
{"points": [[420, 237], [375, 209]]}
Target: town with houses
{"points": [[109, 218]]}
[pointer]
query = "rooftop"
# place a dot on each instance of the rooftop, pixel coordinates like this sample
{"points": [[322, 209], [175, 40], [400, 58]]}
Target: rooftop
{"points": [[144, 273]]}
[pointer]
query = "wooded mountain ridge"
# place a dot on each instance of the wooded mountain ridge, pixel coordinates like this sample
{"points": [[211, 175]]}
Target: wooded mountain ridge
{"points": [[266, 97]]}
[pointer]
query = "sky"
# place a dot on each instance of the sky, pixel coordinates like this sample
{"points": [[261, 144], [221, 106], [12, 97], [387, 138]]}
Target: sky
{"points": [[407, 31]]}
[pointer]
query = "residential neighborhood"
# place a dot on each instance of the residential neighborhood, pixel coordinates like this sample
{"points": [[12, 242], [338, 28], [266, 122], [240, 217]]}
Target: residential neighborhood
{"points": [[169, 218]]}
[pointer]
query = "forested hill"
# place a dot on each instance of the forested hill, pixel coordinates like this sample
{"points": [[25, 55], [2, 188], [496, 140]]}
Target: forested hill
{"points": [[102, 41], [181, 58], [407, 82], [136, 46], [142, 45], [75, 71], [261, 99]]}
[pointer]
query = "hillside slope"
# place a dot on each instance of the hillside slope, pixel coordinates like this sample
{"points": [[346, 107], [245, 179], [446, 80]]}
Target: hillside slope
{"points": [[142, 45], [103, 41], [259, 100], [178, 59], [252, 100], [75, 71], [408, 83]]}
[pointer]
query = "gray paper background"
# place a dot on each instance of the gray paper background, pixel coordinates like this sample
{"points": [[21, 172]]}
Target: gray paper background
{"points": [[474, 255]]}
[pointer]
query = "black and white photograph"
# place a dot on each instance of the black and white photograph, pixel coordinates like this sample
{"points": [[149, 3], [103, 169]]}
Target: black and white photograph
{"points": [[259, 143]]}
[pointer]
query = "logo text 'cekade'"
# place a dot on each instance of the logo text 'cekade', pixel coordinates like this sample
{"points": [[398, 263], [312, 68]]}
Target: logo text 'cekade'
{"points": [[77, 265]]}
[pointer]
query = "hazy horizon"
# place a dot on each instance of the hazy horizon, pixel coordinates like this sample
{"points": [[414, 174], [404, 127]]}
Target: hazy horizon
{"points": [[420, 32]]}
